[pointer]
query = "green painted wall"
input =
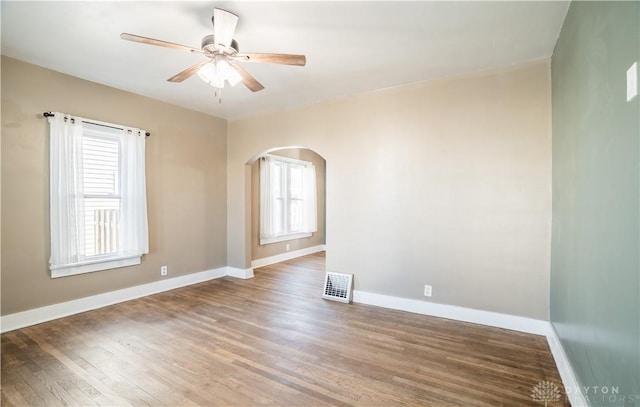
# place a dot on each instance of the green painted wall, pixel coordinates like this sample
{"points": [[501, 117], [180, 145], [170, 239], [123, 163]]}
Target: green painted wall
{"points": [[595, 266]]}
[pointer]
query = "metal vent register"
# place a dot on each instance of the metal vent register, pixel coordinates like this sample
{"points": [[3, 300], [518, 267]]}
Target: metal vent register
{"points": [[337, 287]]}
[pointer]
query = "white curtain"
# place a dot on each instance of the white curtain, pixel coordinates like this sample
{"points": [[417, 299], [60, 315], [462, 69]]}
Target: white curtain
{"points": [[66, 190], [67, 197], [310, 212], [267, 199], [134, 232]]}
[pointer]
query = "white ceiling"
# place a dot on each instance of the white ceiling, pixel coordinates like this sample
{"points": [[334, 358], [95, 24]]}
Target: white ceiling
{"points": [[351, 47]]}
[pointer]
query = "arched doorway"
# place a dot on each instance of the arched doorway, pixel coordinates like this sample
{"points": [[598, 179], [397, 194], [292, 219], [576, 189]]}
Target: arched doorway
{"points": [[262, 253]]}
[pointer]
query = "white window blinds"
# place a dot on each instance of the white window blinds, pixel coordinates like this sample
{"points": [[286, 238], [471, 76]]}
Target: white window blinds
{"points": [[101, 171]]}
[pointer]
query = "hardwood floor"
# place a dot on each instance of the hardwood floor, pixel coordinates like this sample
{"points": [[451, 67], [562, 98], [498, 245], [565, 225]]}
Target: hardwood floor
{"points": [[270, 340]]}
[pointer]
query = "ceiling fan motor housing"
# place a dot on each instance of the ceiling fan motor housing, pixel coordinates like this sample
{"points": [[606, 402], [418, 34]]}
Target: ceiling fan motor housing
{"points": [[209, 44]]}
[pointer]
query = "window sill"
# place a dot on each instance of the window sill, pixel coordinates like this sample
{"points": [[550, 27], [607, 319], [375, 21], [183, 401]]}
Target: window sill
{"points": [[91, 266], [284, 238]]}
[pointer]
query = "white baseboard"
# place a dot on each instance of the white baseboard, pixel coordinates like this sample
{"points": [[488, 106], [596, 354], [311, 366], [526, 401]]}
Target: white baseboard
{"points": [[495, 319], [55, 311], [239, 273], [287, 256], [569, 379]]}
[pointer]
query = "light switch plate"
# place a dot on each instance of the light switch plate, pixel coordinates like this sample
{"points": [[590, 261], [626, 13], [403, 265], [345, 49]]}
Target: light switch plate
{"points": [[632, 82]]}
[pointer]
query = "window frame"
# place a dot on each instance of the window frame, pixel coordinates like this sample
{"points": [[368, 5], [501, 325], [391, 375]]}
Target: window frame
{"points": [[94, 265], [285, 186]]}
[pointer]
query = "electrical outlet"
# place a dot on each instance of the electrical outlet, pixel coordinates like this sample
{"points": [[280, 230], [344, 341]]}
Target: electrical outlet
{"points": [[164, 270], [288, 247], [427, 290]]}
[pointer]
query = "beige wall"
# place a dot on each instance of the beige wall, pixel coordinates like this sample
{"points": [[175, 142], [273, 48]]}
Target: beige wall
{"points": [[444, 183], [186, 185], [318, 238]]}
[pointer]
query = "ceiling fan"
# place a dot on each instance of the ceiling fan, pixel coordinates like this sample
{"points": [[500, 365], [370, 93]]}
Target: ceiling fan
{"points": [[222, 54]]}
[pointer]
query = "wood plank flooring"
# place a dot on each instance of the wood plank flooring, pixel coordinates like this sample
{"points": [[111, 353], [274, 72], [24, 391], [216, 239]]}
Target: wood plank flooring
{"points": [[270, 340]]}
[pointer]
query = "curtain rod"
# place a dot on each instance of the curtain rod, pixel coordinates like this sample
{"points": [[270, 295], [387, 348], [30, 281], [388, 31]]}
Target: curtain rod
{"points": [[49, 114]]}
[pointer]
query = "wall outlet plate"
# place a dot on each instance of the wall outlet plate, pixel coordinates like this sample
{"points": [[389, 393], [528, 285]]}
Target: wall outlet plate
{"points": [[164, 270], [427, 290]]}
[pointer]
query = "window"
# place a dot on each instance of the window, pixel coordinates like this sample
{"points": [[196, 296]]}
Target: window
{"points": [[287, 199], [101, 172], [98, 196]]}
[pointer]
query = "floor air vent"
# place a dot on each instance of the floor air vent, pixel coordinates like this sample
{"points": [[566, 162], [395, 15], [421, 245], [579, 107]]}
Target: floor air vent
{"points": [[337, 287]]}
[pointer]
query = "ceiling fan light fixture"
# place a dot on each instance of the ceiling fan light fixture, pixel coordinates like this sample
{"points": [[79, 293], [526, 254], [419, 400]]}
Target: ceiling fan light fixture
{"points": [[217, 72], [207, 72], [227, 72]]}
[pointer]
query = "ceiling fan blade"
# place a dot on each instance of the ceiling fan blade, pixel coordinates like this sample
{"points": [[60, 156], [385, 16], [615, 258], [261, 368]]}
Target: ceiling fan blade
{"points": [[224, 25], [153, 41], [283, 59], [248, 80], [187, 73]]}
